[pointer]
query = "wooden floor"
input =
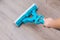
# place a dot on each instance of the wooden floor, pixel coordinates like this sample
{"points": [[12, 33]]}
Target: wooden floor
{"points": [[11, 9]]}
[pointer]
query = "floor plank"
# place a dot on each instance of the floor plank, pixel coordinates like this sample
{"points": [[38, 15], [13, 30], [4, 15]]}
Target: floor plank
{"points": [[11, 9]]}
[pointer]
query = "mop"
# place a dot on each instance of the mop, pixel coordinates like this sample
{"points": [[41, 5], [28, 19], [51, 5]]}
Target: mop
{"points": [[30, 16]]}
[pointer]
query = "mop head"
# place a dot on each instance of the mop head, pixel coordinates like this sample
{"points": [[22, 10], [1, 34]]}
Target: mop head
{"points": [[30, 16]]}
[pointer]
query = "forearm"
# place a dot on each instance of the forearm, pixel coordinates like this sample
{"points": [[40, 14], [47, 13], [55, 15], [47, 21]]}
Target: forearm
{"points": [[54, 23]]}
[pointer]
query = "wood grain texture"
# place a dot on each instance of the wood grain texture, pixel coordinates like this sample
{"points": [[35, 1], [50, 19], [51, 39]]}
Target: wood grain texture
{"points": [[11, 9]]}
